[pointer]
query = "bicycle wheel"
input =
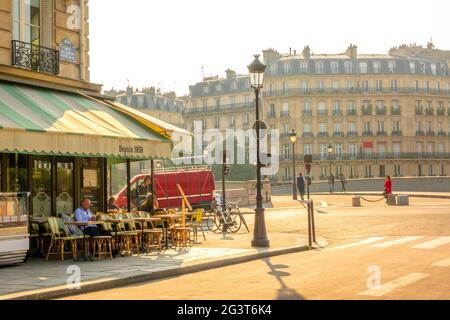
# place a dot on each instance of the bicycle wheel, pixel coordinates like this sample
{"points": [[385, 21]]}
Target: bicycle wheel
{"points": [[234, 222], [219, 221], [210, 220]]}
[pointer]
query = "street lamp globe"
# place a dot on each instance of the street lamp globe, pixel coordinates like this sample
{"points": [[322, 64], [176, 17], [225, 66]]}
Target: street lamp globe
{"points": [[293, 136], [330, 148], [256, 70]]}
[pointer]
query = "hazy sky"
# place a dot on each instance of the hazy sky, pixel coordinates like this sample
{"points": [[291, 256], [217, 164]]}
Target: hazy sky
{"points": [[165, 43]]}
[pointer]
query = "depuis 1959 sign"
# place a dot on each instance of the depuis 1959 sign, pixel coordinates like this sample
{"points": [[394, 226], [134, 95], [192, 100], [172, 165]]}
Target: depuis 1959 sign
{"points": [[67, 51]]}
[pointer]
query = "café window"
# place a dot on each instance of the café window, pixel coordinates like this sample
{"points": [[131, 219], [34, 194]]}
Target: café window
{"points": [[41, 186], [91, 182], [17, 173], [64, 187]]}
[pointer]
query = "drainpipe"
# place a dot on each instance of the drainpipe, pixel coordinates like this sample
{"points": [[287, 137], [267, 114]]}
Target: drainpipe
{"points": [[82, 43]]}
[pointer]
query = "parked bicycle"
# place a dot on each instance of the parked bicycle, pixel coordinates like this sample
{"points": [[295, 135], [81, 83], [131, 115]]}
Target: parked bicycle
{"points": [[229, 220]]}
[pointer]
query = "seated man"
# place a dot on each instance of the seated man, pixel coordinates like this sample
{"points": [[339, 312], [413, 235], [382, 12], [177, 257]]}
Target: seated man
{"points": [[150, 204], [84, 214]]}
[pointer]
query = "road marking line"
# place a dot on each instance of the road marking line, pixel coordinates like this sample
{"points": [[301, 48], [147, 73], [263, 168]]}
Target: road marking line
{"points": [[395, 242], [433, 243], [360, 243], [442, 263], [391, 286]]}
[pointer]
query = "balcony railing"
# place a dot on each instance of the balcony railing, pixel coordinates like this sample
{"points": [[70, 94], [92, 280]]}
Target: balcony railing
{"points": [[284, 114], [322, 135], [32, 57], [419, 111], [352, 134], [308, 135], [375, 156], [381, 133], [381, 111], [338, 134], [367, 134], [307, 113], [420, 133], [395, 111], [221, 108], [431, 133], [357, 91], [367, 111], [337, 113], [442, 134], [440, 112], [351, 112], [322, 113], [396, 133], [429, 112]]}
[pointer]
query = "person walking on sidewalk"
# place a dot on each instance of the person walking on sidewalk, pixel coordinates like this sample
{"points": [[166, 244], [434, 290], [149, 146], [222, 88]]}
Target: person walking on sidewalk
{"points": [[343, 183], [301, 185], [387, 187], [331, 182]]}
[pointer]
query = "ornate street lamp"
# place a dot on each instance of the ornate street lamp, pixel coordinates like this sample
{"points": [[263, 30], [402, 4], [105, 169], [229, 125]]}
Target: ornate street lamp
{"points": [[330, 151], [293, 138], [256, 70]]}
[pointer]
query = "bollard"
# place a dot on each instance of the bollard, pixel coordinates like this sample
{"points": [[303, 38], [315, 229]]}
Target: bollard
{"points": [[356, 201]]}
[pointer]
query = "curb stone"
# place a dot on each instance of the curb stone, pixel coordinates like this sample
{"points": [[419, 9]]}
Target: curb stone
{"points": [[140, 276]]}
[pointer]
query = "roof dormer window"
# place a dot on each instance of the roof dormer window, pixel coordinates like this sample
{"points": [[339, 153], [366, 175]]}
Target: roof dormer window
{"points": [[319, 67], [234, 85]]}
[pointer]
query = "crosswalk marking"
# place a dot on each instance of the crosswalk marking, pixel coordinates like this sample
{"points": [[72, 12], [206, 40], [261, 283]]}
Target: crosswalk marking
{"points": [[433, 243], [442, 263], [395, 242], [391, 286], [363, 242]]}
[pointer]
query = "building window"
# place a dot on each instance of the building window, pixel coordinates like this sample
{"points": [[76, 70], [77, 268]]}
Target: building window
{"points": [[381, 126], [423, 68], [348, 67], [350, 85], [391, 67], [287, 68], [396, 126], [365, 85], [205, 104], [321, 85], [308, 149], [273, 69], [323, 151], [26, 15], [394, 85], [205, 89], [286, 151], [218, 87], [303, 67], [334, 67], [397, 171], [305, 86], [379, 85], [246, 119], [234, 85], [217, 102], [397, 146], [319, 67], [323, 171], [287, 173], [417, 86], [352, 127], [412, 67], [368, 171], [322, 109], [307, 107], [363, 67], [433, 69], [271, 90], [217, 123], [376, 67], [339, 151], [285, 87], [338, 128], [353, 151], [307, 128], [366, 126], [335, 84], [351, 107], [232, 100]]}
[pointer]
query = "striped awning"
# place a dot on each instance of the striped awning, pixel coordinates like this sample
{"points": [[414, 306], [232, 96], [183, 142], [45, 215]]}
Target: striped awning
{"points": [[43, 121]]}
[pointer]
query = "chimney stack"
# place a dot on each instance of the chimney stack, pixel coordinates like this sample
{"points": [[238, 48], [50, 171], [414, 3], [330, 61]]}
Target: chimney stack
{"points": [[352, 51], [230, 74], [306, 52]]}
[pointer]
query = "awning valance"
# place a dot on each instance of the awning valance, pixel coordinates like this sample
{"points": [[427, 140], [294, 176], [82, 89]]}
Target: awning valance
{"points": [[43, 121]]}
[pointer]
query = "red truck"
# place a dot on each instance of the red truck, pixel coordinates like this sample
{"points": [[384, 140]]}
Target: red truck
{"points": [[197, 183]]}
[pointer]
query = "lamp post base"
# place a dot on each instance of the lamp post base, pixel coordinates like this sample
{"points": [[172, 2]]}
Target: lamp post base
{"points": [[260, 239]]}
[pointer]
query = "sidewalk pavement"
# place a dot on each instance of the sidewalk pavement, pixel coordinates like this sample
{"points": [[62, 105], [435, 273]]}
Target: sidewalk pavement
{"points": [[40, 279]]}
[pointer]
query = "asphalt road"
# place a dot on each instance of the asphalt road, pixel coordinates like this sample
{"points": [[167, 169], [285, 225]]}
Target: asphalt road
{"points": [[375, 252]]}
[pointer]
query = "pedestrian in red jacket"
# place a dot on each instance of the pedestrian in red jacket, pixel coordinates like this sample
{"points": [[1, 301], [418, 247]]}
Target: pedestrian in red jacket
{"points": [[387, 186]]}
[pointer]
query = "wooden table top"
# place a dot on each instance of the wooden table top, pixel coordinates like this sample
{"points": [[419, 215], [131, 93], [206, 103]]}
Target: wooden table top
{"points": [[147, 219], [88, 223]]}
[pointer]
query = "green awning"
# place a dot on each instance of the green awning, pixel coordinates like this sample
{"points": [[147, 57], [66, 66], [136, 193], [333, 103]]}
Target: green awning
{"points": [[43, 121]]}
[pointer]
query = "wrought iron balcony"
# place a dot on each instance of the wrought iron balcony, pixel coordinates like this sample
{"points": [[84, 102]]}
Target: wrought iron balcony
{"points": [[396, 133], [419, 111], [429, 111], [338, 134], [395, 111], [367, 111], [307, 113], [381, 133], [322, 113], [431, 133], [308, 135], [322, 135], [337, 113], [381, 111], [420, 133], [351, 112], [352, 134], [440, 111], [284, 114], [367, 134], [32, 57], [442, 134]]}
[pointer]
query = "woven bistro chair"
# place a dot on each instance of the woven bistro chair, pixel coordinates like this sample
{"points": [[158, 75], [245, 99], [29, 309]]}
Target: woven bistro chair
{"points": [[102, 245], [125, 234], [61, 236], [152, 235], [134, 233], [196, 223]]}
